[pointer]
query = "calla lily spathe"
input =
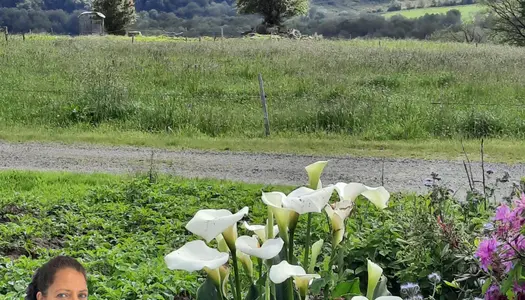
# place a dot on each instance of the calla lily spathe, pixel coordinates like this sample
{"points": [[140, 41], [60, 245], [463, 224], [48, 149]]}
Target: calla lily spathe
{"points": [[281, 272], [337, 215], [374, 275], [250, 245], [195, 256], [260, 231], [209, 223], [305, 200], [314, 174], [379, 196]]}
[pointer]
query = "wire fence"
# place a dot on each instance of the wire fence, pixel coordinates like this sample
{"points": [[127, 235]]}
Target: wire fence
{"points": [[254, 95]]}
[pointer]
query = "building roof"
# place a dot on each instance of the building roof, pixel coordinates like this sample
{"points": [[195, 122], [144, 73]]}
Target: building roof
{"points": [[92, 13]]}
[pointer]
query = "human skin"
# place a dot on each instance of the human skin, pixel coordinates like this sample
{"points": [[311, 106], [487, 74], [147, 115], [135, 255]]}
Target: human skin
{"points": [[68, 284]]}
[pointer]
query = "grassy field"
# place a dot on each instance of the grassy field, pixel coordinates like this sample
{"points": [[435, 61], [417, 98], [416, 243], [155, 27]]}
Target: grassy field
{"points": [[362, 94], [467, 11]]}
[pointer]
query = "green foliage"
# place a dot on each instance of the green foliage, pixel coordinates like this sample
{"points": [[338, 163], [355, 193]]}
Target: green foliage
{"points": [[274, 12], [119, 228], [417, 236], [119, 14]]}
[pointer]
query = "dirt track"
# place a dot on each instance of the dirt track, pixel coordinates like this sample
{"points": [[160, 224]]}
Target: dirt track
{"points": [[399, 174]]}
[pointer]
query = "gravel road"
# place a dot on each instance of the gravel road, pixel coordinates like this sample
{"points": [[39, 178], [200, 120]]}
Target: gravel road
{"points": [[400, 175]]}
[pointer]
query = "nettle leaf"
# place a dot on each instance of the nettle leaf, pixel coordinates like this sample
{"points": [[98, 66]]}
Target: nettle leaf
{"points": [[348, 288], [208, 291]]}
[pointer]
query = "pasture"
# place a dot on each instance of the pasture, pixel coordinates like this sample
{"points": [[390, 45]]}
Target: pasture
{"points": [[357, 91], [468, 12]]}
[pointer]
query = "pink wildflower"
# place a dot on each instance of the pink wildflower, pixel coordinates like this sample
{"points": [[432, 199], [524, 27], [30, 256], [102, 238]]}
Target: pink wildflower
{"points": [[486, 250]]}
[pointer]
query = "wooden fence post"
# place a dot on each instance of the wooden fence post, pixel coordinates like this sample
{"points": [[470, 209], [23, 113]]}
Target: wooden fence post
{"points": [[6, 32], [264, 106], [222, 32], [133, 39], [23, 36]]}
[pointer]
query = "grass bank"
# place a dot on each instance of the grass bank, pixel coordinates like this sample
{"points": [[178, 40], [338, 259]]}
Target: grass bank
{"points": [[361, 92], [496, 150]]}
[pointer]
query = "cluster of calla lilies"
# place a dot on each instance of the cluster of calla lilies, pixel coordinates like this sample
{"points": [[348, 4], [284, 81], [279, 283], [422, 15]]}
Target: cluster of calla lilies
{"points": [[271, 242]]}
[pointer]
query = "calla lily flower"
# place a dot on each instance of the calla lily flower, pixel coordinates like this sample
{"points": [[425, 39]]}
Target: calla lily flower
{"points": [[379, 196], [304, 200], [316, 250], [260, 231], [209, 223], [246, 261], [314, 174], [195, 256], [284, 217], [338, 214], [286, 209], [281, 272], [250, 245], [374, 275]]}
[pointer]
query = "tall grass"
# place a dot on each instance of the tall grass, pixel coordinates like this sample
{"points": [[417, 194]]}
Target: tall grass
{"points": [[378, 90]]}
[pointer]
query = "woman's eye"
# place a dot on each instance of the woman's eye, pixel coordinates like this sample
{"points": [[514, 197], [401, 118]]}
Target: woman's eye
{"points": [[62, 295], [83, 296]]}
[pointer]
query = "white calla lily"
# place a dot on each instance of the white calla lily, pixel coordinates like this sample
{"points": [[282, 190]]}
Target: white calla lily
{"points": [[260, 231], [379, 196], [374, 275], [304, 200], [281, 272], [337, 216], [250, 245], [246, 261], [209, 223], [284, 217], [316, 250], [314, 174], [195, 256]]}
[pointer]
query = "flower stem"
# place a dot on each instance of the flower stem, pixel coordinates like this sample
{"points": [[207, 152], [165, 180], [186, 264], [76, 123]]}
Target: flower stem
{"points": [[306, 261], [290, 246], [237, 279], [269, 229], [260, 261], [290, 289]]}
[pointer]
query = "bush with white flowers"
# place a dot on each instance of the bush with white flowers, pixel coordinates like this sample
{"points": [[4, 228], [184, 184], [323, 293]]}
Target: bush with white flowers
{"points": [[272, 244]]}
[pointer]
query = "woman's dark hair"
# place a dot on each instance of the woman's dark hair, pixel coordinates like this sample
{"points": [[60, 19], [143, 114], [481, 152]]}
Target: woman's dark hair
{"points": [[45, 275]]}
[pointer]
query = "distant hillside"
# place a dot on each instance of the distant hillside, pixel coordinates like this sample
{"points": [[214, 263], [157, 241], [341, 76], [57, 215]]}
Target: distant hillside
{"points": [[467, 11]]}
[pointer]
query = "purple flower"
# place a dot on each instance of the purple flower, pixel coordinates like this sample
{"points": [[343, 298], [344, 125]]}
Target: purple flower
{"points": [[518, 288], [503, 214], [486, 251], [493, 293]]}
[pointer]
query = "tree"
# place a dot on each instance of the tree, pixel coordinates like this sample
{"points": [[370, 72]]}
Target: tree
{"points": [[273, 11], [509, 21], [119, 14]]}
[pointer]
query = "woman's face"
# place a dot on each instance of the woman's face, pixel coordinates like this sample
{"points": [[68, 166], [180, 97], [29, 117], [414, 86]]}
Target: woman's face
{"points": [[69, 284]]}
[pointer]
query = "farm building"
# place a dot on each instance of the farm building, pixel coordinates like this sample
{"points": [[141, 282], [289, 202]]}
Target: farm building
{"points": [[91, 22]]}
